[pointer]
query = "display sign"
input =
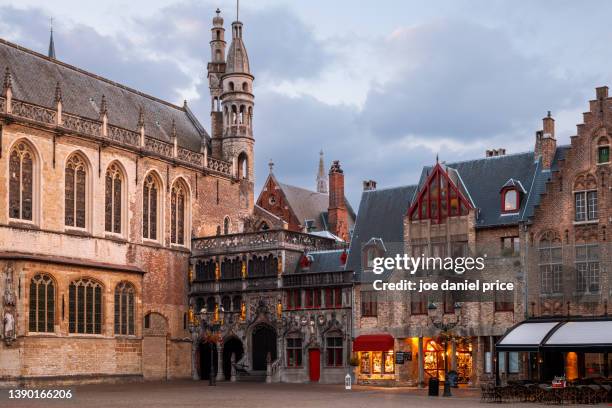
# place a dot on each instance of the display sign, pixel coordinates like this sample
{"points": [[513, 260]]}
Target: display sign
{"points": [[399, 357]]}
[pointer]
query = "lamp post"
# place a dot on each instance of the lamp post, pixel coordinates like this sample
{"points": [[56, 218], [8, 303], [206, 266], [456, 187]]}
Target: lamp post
{"points": [[445, 330]]}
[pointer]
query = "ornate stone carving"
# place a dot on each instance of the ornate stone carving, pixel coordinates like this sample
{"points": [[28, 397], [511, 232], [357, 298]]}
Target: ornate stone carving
{"points": [[9, 329], [159, 147], [124, 136], [80, 125], [37, 113], [191, 157]]}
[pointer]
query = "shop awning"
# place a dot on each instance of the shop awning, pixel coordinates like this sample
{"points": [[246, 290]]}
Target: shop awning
{"points": [[559, 335], [373, 342]]}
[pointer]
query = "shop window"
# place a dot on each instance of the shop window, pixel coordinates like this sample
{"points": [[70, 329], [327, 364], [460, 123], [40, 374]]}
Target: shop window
{"points": [[593, 365], [369, 304], [294, 352], [334, 351], [365, 363]]}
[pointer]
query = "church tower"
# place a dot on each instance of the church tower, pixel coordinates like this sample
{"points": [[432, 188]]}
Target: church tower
{"points": [[216, 69], [321, 177]]}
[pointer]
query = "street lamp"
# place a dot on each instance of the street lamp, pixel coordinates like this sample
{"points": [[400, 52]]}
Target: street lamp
{"points": [[445, 331]]}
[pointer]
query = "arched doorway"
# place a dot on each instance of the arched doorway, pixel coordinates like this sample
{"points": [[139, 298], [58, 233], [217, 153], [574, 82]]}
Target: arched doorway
{"points": [[208, 356], [232, 346], [263, 340]]}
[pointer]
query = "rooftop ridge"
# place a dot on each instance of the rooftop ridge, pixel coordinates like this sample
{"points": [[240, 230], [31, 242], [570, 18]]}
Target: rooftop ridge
{"points": [[487, 158], [391, 188], [90, 74]]}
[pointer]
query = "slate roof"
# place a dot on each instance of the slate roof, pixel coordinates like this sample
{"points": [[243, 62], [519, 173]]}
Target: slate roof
{"points": [[311, 205], [381, 215], [324, 261], [35, 76]]}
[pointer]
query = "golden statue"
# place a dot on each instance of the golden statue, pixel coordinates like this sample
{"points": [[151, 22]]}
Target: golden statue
{"points": [[216, 317], [279, 309], [217, 271], [243, 311], [244, 270], [192, 317], [190, 274], [279, 265]]}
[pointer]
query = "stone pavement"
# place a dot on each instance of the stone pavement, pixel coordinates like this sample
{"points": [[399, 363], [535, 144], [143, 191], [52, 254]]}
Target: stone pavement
{"points": [[256, 395]]}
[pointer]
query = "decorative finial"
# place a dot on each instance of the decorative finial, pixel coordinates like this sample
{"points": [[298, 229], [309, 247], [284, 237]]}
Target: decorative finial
{"points": [[184, 103], [271, 165], [103, 107], [8, 80], [51, 53], [58, 92], [173, 129], [218, 11], [140, 117]]}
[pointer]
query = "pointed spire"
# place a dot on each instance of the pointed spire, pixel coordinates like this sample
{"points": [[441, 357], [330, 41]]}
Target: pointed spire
{"points": [[58, 93], [237, 10], [8, 79], [321, 177], [103, 107], [271, 165], [51, 43], [173, 131]]}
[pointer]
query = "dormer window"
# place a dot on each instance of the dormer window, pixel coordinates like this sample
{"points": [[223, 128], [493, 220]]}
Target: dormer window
{"points": [[310, 225], [370, 255], [511, 196], [510, 200]]}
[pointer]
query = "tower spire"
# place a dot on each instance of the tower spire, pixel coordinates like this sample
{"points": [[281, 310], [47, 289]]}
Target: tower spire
{"points": [[321, 177], [237, 10], [51, 43]]}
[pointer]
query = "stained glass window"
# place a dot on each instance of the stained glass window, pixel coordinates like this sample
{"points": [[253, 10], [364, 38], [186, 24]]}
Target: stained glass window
{"points": [[149, 210], [85, 307], [112, 200], [177, 216], [42, 304], [75, 193], [21, 169]]}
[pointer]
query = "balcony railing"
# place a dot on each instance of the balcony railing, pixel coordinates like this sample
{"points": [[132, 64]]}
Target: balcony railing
{"points": [[317, 279], [258, 241]]}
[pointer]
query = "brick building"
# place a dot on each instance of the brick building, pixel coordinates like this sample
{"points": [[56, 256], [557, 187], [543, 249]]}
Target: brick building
{"points": [[499, 206], [103, 189]]}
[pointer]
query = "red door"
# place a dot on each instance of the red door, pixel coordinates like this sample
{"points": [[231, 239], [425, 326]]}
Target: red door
{"points": [[314, 360]]}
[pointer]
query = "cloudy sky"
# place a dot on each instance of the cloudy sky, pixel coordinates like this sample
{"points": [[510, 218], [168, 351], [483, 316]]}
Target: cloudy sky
{"points": [[382, 86]]}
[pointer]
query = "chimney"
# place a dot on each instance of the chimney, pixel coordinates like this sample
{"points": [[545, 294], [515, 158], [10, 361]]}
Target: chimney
{"points": [[546, 144], [369, 185], [337, 212], [495, 152]]}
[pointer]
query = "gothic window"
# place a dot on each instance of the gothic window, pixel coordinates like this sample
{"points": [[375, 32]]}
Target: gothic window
{"points": [[85, 307], [226, 225], [334, 345], [178, 206], [241, 115], [294, 352], [587, 268], [42, 304], [234, 115], [550, 261], [231, 269], [231, 86], [75, 192], [21, 181], [124, 309], [150, 193], [199, 305], [113, 199], [439, 198]]}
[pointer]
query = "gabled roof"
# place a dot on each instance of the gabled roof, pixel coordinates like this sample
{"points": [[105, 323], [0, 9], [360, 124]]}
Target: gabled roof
{"points": [[516, 184], [35, 77], [310, 205], [381, 215]]}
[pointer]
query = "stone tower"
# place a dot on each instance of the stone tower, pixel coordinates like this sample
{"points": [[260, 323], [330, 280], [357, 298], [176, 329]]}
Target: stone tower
{"points": [[216, 69], [321, 177], [337, 211]]}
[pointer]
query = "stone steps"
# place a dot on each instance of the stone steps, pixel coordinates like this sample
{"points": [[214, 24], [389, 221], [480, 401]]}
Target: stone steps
{"points": [[252, 376]]}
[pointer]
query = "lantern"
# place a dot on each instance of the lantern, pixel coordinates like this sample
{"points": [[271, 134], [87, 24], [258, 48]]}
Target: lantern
{"points": [[347, 382]]}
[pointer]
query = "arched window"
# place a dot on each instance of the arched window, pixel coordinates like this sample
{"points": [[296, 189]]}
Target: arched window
{"points": [[226, 225], [250, 116], [236, 303], [42, 304], [510, 200], [234, 115], [218, 52], [113, 197], [231, 86], [199, 305], [210, 304], [241, 115], [124, 309], [85, 307], [226, 114], [21, 182], [150, 199], [76, 192], [245, 87], [243, 166], [178, 203], [226, 303]]}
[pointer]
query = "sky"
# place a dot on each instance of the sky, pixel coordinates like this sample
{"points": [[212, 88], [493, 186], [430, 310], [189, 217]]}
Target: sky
{"points": [[382, 86]]}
